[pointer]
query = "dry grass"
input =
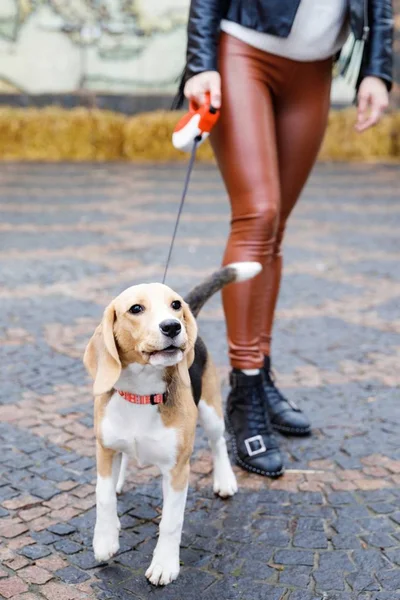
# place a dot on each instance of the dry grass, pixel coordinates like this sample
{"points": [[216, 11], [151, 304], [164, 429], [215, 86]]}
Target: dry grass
{"points": [[55, 134]]}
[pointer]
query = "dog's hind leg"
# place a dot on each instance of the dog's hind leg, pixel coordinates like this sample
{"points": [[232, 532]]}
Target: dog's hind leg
{"points": [[211, 418], [122, 473]]}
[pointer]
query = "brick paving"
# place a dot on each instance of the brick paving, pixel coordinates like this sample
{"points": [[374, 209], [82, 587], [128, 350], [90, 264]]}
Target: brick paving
{"points": [[72, 237]]}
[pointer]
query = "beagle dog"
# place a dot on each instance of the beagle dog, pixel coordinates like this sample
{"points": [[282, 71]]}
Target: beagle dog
{"points": [[152, 378]]}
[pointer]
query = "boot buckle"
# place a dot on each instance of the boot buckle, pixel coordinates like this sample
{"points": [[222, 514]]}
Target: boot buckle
{"points": [[256, 440]]}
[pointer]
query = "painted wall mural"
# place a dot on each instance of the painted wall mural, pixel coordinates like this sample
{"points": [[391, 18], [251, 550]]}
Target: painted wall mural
{"points": [[121, 46], [111, 46]]}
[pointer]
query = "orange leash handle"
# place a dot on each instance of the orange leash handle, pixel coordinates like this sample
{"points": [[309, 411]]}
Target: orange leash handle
{"points": [[195, 125]]}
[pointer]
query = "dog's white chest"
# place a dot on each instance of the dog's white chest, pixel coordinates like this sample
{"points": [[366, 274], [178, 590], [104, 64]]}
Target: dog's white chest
{"points": [[139, 431]]}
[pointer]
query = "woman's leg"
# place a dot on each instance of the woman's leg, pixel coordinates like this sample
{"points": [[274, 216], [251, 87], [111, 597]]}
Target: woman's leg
{"points": [[301, 116], [244, 143], [300, 120], [245, 146]]}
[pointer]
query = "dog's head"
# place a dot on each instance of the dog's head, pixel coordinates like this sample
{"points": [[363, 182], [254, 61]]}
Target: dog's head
{"points": [[146, 324]]}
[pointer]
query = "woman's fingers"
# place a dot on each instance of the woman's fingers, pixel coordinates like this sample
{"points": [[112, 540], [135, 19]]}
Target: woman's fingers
{"points": [[215, 89], [197, 86], [362, 111], [373, 100]]}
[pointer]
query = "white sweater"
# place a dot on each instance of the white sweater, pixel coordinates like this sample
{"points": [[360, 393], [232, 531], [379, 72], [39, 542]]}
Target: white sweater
{"points": [[319, 30]]}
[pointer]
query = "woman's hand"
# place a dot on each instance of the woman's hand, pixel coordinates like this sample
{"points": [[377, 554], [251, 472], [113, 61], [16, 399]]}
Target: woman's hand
{"points": [[373, 100], [198, 85]]}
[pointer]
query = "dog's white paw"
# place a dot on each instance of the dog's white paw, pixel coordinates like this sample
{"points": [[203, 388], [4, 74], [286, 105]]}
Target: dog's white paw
{"points": [[225, 484], [105, 543], [163, 570]]}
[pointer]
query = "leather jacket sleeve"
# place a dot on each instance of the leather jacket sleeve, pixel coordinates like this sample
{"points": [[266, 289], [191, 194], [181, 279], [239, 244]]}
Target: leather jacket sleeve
{"points": [[202, 45], [203, 30], [378, 55]]}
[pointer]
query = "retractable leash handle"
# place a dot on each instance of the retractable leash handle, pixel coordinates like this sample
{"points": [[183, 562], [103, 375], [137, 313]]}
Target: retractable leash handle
{"points": [[196, 125], [189, 133]]}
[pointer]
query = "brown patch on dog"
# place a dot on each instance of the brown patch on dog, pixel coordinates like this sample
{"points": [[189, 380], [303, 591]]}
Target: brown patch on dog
{"points": [[211, 387], [180, 475], [180, 412], [104, 460], [100, 403], [101, 357]]}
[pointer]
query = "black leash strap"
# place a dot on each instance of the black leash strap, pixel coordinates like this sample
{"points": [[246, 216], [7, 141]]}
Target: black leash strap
{"points": [[185, 189]]}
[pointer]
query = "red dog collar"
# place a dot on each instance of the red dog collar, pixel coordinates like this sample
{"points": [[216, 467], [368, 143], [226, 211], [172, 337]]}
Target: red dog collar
{"points": [[150, 399]]}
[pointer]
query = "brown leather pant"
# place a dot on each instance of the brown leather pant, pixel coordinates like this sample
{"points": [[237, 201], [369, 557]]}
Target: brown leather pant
{"points": [[273, 119]]}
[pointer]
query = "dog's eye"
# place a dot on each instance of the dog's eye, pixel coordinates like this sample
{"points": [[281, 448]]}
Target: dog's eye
{"points": [[176, 305], [136, 309]]}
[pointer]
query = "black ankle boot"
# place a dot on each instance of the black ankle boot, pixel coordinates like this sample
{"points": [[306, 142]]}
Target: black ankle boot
{"points": [[254, 444], [285, 416]]}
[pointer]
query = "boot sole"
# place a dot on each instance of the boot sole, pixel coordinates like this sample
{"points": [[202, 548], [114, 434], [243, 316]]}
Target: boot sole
{"points": [[246, 467], [295, 431]]}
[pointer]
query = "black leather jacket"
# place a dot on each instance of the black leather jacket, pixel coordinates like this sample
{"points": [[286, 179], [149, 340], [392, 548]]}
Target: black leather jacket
{"points": [[276, 17]]}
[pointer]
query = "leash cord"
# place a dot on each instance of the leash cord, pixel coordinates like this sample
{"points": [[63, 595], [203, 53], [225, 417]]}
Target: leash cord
{"points": [[185, 189]]}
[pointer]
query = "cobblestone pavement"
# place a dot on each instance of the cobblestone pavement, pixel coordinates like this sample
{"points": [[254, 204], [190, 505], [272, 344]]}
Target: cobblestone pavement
{"points": [[72, 236]]}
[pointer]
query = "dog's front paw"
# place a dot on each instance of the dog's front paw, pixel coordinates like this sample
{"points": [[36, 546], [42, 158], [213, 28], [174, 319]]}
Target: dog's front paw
{"points": [[105, 543], [224, 480], [163, 570]]}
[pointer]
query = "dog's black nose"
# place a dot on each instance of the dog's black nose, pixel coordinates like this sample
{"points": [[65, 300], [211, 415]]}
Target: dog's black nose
{"points": [[170, 327]]}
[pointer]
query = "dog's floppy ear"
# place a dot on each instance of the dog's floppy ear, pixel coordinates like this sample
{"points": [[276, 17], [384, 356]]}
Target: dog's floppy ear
{"points": [[191, 332], [101, 357]]}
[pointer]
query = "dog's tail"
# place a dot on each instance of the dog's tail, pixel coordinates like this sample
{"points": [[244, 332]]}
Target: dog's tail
{"points": [[235, 272]]}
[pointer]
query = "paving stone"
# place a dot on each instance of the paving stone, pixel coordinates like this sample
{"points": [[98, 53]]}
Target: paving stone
{"points": [[35, 575], [294, 557], [345, 542], [67, 547], [393, 555], [86, 560], [346, 526], [51, 563], [340, 498], [389, 578], [369, 559], [382, 507], [17, 563], [12, 586], [35, 551], [46, 491], [44, 537], [310, 539], [378, 524], [12, 528], [396, 517], [249, 568], [362, 581], [60, 591], [309, 524], [307, 498], [135, 559], [62, 528], [232, 589], [275, 538], [303, 595], [82, 464], [127, 521], [380, 540], [72, 575], [339, 561], [295, 576]]}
